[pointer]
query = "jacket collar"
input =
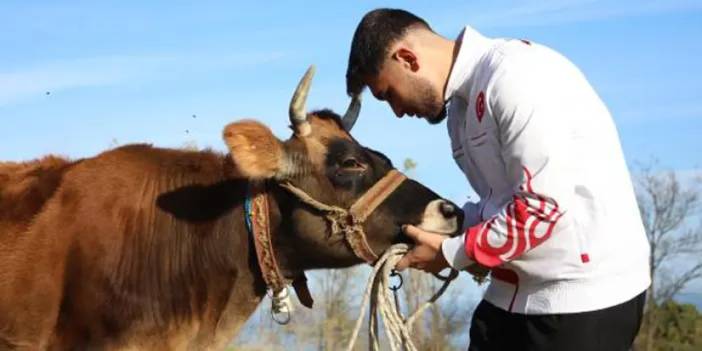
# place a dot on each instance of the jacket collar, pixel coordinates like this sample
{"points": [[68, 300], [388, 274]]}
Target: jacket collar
{"points": [[472, 47]]}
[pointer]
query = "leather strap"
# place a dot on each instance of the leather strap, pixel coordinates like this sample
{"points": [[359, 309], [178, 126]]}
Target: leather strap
{"points": [[303, 291], [261, 231], [367, 203], [364, 206], [259, 221]]}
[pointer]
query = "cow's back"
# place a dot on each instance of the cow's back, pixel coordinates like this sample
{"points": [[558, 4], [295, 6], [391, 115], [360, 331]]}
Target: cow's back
{"points": [[24, 189], [134, 241]]}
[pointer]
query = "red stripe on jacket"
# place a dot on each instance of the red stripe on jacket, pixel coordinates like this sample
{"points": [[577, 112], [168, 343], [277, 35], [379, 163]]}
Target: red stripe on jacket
{"points": [[529, 220]]}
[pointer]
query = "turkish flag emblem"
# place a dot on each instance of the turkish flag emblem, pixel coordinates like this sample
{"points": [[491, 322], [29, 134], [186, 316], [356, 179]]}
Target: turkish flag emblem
{"points": [[480, 106]]}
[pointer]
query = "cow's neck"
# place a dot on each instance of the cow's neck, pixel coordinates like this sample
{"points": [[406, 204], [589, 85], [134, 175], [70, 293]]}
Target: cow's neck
{"points": [[249, 287]]}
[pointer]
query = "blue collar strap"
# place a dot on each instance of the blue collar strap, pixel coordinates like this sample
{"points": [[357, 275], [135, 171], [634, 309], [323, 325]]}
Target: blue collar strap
{"points": [[247, 212]]}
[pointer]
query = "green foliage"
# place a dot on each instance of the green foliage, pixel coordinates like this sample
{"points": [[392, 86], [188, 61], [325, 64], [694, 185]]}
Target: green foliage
{"points": [[679, 327], [676, 327]]}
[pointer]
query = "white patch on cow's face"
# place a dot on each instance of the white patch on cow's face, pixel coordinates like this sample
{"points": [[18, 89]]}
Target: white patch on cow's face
{"points": [[434, 220]]}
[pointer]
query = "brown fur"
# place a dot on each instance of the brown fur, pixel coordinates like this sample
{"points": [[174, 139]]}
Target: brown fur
{"points": [[254, 149], [24, 189], [160, 274], [325, 127]]}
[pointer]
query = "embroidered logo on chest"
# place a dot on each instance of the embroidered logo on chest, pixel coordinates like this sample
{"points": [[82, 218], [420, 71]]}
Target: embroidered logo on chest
{"points": [[480, 106]]}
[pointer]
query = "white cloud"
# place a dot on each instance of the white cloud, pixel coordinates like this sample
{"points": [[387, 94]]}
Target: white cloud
{"points": [[680, 110], [33, 82], [555, 12], [656, 166]]}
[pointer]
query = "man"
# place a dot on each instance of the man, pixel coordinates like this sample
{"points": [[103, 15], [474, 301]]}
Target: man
{"points": [[557, 223]]}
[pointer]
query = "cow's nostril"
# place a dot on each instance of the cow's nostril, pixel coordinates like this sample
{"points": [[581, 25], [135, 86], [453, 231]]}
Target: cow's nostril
{"points": [[448, 209]]}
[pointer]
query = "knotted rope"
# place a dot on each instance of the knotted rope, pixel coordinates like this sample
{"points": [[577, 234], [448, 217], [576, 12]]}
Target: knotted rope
{"points": [[344, 222], [382, 302]]}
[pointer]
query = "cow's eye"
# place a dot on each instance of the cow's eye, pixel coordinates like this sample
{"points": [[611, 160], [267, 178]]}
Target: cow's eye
{"points": [[352, 164]]}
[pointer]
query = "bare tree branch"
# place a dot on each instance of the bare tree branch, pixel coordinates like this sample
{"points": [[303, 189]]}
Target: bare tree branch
{"points": [[665, 206], [676, 284]]}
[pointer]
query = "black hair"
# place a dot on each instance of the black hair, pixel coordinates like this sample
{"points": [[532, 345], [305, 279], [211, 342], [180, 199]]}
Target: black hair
{"points": [[375, 33]]}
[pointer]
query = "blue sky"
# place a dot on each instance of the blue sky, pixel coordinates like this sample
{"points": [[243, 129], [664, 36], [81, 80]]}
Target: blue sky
{"points": [[133, 71]]}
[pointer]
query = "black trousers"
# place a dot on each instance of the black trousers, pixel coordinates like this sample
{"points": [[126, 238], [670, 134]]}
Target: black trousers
{"points": [[612, 328]]}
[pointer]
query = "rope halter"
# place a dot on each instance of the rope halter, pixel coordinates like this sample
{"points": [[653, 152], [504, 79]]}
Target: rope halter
{"points": [[349, 223]]}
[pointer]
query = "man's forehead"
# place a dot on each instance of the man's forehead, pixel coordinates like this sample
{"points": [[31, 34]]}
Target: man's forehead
{"points": [[376, 84]]}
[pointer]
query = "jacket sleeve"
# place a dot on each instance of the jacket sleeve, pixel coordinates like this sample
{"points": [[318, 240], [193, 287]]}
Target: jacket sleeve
{"points": [[471, 215], [532, 139]]}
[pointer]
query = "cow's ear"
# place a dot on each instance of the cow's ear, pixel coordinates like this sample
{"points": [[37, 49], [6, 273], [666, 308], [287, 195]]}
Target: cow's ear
{"points": [[256, 152]]}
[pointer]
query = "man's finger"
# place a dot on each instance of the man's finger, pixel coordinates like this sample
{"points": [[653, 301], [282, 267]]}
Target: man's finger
{"points": [[404, 262], [413, 232]]}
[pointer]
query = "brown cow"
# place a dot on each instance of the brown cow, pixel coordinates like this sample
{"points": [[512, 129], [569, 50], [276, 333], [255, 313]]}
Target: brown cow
{"points": [[147, 248]]}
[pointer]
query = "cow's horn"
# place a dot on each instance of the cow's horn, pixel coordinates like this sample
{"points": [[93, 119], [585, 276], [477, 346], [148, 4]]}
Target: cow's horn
{"points": [[298, 112], [352, 112]]}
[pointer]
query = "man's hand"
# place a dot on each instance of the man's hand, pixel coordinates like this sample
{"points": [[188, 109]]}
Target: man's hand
{"points": [[426, 255]]}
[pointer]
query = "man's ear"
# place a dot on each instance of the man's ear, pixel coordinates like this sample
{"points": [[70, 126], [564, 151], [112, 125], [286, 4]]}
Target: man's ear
{"points": [[256, 152], [407, 58]]}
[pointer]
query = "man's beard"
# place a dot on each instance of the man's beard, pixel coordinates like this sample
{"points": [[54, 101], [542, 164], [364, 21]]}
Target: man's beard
{"points": [[431, 107], [436, 119]]}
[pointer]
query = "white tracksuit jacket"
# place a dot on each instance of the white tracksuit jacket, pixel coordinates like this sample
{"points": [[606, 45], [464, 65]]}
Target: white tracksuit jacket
{"points": [[557, 218]]}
